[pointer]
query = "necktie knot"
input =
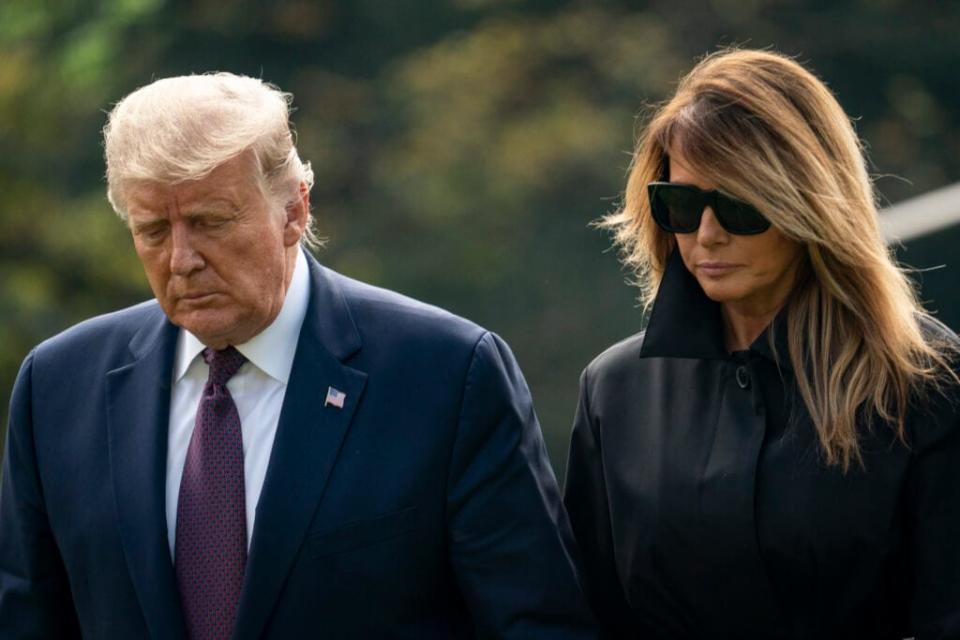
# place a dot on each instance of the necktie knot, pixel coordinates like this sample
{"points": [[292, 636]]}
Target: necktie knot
{"points": [[223, 364]]}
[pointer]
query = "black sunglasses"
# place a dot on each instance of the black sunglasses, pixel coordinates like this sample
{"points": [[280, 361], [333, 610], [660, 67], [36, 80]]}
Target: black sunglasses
{"points": [[677, 208]]}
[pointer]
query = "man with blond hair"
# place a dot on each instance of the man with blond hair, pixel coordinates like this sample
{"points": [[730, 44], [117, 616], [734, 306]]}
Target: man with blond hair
{"points": [[268, 449]]}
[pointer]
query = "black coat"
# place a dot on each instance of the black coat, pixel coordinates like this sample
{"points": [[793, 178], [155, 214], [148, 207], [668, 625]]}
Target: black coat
{"points": [[704, 509]]}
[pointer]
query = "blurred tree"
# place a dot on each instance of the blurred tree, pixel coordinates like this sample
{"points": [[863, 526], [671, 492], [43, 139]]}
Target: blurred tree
{"points": [[461, 149]]}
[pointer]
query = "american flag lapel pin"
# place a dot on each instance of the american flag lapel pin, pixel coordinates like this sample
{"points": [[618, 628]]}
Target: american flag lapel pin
{"points": [[335, 397]]}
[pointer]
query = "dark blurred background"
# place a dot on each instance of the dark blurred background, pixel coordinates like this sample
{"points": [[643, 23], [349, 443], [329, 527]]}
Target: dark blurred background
{"points": [[461, 148]]}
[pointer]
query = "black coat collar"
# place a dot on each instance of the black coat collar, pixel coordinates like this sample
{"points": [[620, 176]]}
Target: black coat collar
{"points": [[685, 323]]}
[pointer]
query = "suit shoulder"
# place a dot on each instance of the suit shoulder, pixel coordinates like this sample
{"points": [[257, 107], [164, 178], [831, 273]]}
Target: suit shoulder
{"points": [[100, 332], [375, 309]]}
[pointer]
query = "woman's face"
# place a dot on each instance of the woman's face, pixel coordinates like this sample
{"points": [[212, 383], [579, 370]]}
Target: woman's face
{"points": [[752, 274]]}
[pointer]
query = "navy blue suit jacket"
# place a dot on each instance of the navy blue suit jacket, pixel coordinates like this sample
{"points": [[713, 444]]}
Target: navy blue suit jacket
{"points": [[424, 508]]}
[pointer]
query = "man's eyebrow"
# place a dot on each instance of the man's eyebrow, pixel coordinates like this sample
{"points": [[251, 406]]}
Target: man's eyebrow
{"points": [[141, 216], [147, 223], [210, 206]]}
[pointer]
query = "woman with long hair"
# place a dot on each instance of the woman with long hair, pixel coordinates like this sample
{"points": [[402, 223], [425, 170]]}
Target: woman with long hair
{"points": [[777, 454]]}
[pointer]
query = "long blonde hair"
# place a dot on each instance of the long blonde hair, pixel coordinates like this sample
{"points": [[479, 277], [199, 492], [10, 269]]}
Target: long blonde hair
{"points": [[768, 132]]}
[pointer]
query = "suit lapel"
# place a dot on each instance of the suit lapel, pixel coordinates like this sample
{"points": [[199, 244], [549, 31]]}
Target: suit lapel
{"points": [[306, 446], [138, 406]]}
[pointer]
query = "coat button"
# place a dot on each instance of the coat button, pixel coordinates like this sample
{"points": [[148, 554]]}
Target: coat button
{"points": [[743, 377]]}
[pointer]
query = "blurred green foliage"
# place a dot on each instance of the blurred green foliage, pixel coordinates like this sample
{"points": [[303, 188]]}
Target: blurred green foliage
{"points": [[461, 149]]}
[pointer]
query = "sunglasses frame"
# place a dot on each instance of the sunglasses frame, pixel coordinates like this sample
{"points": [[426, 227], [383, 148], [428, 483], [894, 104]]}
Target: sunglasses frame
{"points": [[717, 201]]}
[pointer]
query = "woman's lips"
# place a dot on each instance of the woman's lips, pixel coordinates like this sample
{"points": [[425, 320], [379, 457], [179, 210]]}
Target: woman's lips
{"points": [[717, 269]]}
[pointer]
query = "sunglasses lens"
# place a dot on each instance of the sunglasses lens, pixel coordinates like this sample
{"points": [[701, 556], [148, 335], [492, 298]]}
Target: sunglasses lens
{"points": [[739, 217], [676, 208]]}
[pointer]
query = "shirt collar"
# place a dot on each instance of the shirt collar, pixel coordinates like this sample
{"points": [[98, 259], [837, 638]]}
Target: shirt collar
{"points": [[272, 349], [685, 323]]}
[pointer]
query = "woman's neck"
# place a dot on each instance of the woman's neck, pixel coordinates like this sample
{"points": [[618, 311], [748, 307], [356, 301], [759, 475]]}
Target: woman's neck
{"points": [[743, 325]]}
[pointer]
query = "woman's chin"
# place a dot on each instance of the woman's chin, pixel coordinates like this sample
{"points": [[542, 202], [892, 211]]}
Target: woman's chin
{"points": [[721, 291]]}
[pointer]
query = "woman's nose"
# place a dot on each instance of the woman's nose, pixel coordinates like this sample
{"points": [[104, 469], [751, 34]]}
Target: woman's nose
{"points": [[710, 231]]}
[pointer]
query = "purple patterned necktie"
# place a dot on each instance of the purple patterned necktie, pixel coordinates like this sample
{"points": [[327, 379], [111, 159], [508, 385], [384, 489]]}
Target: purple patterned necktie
{"points": [[211, 541]]}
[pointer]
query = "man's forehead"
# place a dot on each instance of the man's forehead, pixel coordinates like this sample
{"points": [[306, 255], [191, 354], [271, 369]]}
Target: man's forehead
{"points": [[228, 185]]}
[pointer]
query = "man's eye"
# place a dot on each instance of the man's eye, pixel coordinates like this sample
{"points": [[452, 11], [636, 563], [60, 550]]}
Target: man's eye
{"points": [[153, 234], [211, 223]]}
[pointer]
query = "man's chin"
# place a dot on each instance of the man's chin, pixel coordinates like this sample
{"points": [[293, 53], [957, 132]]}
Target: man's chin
{"points": [[211, 328]]}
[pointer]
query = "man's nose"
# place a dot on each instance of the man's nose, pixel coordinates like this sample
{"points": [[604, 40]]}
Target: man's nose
{"points": [[184, 256], [710, 231]]}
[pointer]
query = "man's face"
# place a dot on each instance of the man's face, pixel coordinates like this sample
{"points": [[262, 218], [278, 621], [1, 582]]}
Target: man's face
{"points": [[218, 255]]}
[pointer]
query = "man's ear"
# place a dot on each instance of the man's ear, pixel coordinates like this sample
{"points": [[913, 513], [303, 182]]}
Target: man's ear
{"points": [[297, 214]]}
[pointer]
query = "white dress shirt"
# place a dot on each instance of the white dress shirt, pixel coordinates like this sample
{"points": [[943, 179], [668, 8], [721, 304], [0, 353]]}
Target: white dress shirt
{"points": [[257, 388]]}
